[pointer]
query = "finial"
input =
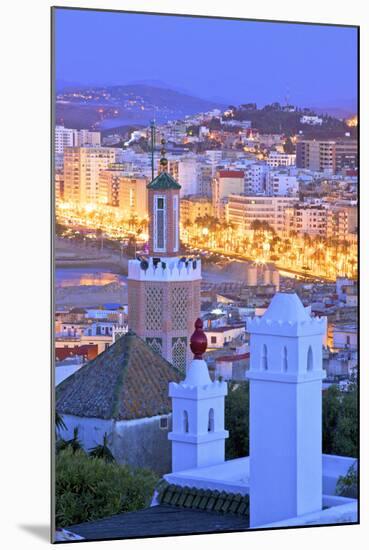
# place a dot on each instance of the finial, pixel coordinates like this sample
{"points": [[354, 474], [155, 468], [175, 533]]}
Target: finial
{"points": [[198, 342], [163, 160]]}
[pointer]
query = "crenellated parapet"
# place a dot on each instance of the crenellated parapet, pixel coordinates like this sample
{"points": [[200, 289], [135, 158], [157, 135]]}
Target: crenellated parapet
{"points": [[304, 327], [165, 269]]}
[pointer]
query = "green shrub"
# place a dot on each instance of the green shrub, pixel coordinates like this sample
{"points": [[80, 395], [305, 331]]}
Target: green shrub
{"points": [[237, 420], [340, 420], [88, 488], [347, 485]]}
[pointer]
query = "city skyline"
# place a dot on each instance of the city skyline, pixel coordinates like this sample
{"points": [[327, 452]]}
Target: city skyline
{"points": [[297, 53]]}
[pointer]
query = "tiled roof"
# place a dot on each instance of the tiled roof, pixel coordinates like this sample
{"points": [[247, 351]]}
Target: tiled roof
{"points": [[160, 521], [163, 181], [127, 381], [207, 500]]}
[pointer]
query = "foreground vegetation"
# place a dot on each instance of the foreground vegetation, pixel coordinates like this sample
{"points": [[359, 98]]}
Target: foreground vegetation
{"points": [[89, 488]]}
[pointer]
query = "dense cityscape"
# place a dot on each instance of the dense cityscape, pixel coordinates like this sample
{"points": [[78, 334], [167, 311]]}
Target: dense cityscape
{"points": [[262, 209], [200, 248]]}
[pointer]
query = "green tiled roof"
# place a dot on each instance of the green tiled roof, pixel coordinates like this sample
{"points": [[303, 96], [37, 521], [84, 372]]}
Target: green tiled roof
{"points": [[163, 181], [207, 500]]}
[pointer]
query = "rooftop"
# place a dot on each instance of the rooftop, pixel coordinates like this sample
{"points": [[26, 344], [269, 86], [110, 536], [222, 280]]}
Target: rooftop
{"points": [[159, 521], [127, 381], [163, 181], [225, 328]]}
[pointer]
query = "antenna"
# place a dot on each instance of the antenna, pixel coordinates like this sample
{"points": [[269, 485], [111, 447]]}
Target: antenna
{"points": [[152, 146], [287, 97]]}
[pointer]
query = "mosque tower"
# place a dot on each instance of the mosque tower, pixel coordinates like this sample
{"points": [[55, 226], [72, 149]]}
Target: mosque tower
{"points": [[285, 411], [198, 436], [164, 289]]}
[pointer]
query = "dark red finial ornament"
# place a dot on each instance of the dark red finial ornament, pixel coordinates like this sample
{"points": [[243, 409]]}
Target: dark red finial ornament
{"points": [[199, 342]]}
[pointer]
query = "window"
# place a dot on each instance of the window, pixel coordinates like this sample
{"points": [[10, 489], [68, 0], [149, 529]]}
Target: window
{"points": [[163, 424], [159, 220], [213, 339], [175, 220]]}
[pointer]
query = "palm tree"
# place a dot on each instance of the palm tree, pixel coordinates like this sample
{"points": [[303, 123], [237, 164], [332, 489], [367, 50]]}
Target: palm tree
{"points": [[132, 222], [59, 422], [103, 451], [74, 443]]}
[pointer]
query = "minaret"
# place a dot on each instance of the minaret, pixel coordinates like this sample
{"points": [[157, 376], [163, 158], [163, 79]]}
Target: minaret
{"points": [[164, 289], [198, 436], [285, 411]]}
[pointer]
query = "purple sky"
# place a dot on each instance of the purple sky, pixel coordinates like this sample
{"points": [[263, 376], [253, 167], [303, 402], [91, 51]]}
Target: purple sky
{"points": [[234, 61]]}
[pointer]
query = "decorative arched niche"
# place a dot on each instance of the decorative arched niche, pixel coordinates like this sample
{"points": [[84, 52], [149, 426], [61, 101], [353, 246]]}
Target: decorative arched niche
{"points": [[264, 358], [185, 422], [284, 359], [310, 362], [211, 421]]}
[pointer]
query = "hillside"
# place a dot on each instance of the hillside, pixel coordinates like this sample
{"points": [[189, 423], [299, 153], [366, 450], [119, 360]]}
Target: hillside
{"points": [[113, 106]]}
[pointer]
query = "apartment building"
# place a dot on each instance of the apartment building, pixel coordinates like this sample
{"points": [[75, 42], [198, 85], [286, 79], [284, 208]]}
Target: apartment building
{"points": [[69, 137], [185, 172], [307, 219], [255, 178], [64, 137], [282, 183], [126, 191], [194, 207], [242, 210], [346, 155], [318, 156], [327, 155], [276, 159], [82, 167]]}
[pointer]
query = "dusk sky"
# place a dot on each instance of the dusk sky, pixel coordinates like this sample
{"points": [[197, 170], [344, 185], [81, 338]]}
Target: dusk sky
{"points": [[231, 61]]}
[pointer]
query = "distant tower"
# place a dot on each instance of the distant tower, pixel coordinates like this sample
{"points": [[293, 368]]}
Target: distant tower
{"points": [[285, 411], [198, 436], [164, 290]]}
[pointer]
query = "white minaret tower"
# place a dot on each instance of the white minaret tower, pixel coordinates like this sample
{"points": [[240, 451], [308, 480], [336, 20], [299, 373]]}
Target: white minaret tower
{"points": [[198, 436], [285, 411]]}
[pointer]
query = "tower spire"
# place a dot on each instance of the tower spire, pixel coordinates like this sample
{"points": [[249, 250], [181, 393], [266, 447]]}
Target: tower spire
{"points": [[163, 159]]}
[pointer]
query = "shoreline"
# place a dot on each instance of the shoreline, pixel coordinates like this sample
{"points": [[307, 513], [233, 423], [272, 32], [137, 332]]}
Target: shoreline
{"points": [[89, 263]]}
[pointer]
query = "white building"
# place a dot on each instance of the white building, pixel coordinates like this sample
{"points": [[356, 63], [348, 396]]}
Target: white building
{"points": [[242, 210], [281, 183], [345, 336], [312, 120], [288, 480], [276, 159], [64, 137], [285, 411], [198, 436], [69, 137], [185, 172], [255, 178], [218, 337], [86, 137]]}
